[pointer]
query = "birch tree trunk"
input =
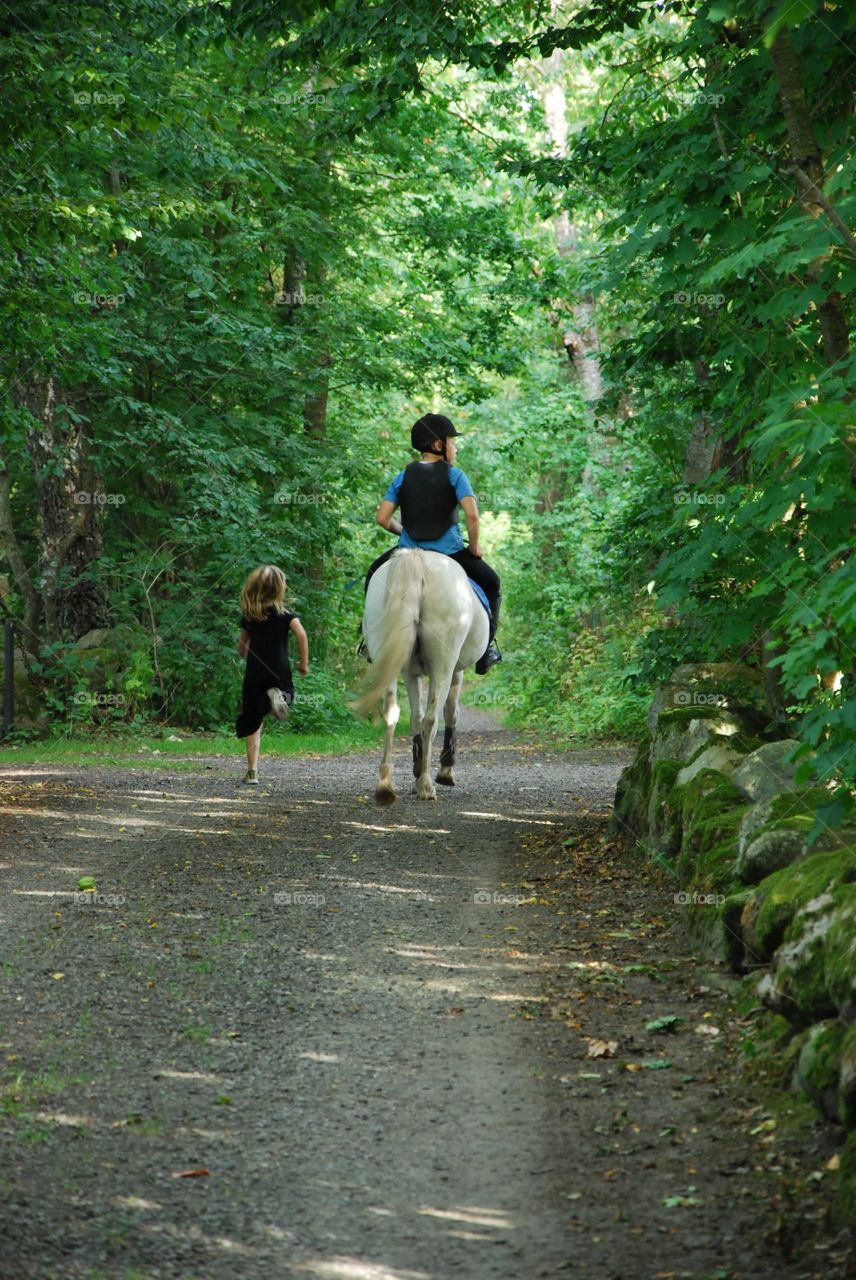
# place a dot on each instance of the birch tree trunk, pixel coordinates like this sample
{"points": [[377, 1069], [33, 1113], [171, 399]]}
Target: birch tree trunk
{"points": [[580, 339]]}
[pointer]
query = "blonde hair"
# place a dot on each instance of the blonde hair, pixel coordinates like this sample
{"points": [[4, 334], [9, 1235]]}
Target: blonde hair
{"points": [[263, 591]]}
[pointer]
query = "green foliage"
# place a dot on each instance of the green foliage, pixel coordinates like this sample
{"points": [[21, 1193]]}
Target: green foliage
{"points": [[249, 243]]}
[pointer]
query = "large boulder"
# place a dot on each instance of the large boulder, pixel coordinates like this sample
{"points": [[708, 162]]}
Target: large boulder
{"points": [[629, 822], [30, 712], [102, 656], [767, 852], [718, 756], [847, 1078], [768, 771], [818, 1067], [840, 958], [795, 986], [683, 732], [663, 819], [771, 909]]}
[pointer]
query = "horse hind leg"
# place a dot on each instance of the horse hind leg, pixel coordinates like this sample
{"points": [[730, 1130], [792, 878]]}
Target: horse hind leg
{"points": [[446, 774], [425, 789], [414, 693], [385, 789]]}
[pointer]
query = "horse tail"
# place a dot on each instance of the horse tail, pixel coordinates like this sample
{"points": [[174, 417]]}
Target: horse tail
{"points": [[405, 584]]}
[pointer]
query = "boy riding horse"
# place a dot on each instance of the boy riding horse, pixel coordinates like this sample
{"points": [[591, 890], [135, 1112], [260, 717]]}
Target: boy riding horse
{"points": [[429, 492]]}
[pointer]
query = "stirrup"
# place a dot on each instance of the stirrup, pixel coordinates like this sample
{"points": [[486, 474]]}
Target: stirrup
{"points": [[489, 659]]}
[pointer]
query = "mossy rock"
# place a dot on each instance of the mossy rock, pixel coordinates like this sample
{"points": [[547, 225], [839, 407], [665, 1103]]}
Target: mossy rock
{"points": [[845, 1204], [711, 810], [664, 822], [711, 871], [31, 712], [714, 928], [771, 850], [767, 770], [718, 756], [684, 732], [779, 897], [775, 832], [819, 1064], [103, 664], [796, 985], [847, 1078], [840, 957], [742, 743], [708, 795], [629, 822]]}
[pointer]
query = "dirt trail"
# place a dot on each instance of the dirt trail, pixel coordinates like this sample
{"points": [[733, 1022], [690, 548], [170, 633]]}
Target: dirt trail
{"points": [[376, 1030]]}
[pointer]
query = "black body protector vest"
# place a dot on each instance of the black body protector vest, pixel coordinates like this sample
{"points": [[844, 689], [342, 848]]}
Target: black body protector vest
{"points": [[428, 500]]}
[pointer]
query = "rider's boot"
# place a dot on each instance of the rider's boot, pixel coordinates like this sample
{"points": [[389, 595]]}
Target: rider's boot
{"points": [[491, 654]]}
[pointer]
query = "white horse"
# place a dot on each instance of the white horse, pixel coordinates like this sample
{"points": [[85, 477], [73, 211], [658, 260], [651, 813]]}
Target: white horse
{"points": [[421, 618]]}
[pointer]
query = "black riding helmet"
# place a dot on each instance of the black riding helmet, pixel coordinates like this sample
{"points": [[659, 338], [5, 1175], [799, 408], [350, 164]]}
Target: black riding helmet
{"points": [[431, 427]]}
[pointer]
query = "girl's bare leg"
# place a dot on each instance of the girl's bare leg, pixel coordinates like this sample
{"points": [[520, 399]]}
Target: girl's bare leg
{"points": [[252, 741]]}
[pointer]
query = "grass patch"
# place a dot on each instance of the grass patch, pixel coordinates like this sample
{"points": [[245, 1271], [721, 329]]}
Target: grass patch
{"points": [[151, 749]]}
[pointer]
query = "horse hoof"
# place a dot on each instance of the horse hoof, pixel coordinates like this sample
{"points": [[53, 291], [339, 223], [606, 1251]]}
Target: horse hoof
{"points": [[426, 795], [447, 781], [384, 797]]}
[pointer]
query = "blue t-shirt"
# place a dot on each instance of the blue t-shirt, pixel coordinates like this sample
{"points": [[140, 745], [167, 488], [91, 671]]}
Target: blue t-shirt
{"points": [[451, 540]]}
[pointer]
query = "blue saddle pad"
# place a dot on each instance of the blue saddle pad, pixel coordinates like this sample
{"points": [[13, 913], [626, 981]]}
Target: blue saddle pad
{"points": [[480, 595]]}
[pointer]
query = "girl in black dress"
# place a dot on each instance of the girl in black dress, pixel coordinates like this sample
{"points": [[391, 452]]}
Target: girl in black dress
{"points": [[268, 686]]}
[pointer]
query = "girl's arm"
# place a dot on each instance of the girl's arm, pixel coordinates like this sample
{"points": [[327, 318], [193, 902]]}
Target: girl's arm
{"points": [[384, 517], [302, 646], [243, 643], [471, 511]]}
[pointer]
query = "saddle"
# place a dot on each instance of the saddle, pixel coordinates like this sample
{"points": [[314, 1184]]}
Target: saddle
{"points": [[480, 595]]}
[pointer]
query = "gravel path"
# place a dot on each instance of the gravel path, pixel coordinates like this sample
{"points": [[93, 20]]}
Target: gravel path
{"points": [[403, 1044]]}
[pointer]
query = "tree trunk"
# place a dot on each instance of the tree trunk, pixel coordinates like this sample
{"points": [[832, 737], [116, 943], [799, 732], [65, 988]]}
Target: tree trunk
{"points": [[581, 340], [806, 163], [71, 511], [21, 576]]}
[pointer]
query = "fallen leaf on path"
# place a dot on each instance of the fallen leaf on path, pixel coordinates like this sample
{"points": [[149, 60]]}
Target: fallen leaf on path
{"points": [[601, 1048], [192, 1173]]}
